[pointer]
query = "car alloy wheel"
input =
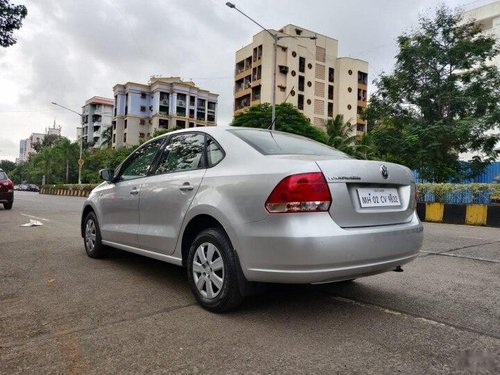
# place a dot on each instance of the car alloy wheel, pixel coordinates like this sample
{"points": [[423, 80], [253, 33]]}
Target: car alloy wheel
{"points": [[208, 270], [213, 271], [90, 235]]}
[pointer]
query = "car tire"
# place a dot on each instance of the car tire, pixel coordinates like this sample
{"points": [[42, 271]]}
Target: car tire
{"points": [[8, 205], [92, 237], [213, 271]]}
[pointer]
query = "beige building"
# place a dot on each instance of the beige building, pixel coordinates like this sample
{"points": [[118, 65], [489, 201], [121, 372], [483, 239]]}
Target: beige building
{"points": [[488, 17], [309, 75], [96, 119], [162, 103]]}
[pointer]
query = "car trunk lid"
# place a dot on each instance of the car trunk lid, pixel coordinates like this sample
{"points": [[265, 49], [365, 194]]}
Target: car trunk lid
{"points": [[368, 193]]}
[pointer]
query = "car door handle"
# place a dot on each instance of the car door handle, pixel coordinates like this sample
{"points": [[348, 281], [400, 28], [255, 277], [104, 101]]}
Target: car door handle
{"points": [[186, 186], [134, 191]]}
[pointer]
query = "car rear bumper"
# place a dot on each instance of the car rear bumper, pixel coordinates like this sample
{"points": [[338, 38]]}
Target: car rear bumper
{"points": [[294, 248]]}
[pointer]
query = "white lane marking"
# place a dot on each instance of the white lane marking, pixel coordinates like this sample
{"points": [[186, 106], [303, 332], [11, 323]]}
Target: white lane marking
{"points": [[392, 312], [36, 217], [462, 256]]}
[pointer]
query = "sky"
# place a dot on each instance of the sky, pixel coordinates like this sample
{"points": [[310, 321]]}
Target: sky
{"points": [[70, 50]]}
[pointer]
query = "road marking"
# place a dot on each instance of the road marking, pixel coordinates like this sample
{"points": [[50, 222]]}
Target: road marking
{"points": [[416, 317], [461, 256], [35, 217]]}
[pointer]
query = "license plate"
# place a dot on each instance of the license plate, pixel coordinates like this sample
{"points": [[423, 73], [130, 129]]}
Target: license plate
{"points": [[378, 197]]}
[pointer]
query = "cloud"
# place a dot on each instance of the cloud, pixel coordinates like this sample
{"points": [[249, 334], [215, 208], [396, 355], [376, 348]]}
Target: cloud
{"points": [[69, 51]]}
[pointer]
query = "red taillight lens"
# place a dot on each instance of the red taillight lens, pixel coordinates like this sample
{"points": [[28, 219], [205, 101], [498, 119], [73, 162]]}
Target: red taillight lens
{"points": [[307, 192]]}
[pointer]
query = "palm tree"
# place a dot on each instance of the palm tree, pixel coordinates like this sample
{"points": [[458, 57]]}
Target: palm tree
{"points": [[107, 136], [341, 135]]}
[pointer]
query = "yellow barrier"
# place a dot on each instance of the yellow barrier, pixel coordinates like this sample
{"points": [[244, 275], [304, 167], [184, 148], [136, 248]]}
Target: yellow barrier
{"points": [[434, 212], [476, 214]]}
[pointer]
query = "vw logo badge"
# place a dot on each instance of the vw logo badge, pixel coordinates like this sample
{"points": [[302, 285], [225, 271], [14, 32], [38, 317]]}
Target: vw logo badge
{"points": [[384, 171]]}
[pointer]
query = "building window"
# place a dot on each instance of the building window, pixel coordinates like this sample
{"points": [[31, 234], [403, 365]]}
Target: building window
{"points": [[256, 93], [360, 127], [362, 78], [143, 108], [191, 124], [349, 107], [331, 75], [143, 95], [180, 124], [164, 103], [301, 83], [302, 64], [294, 54], [293, 73], [350, 72], [361, 95], [163, 124], [142, 135], [349, 89], [181, 105], [300, 101], [309, 101], [330, 92], [125, 124], [330, 109], [200, 110], [359, 110], [192, 101], [124, 137], [126, 103], [142, 121]]}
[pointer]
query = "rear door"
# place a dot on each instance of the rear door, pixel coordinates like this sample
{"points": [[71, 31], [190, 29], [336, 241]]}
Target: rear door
{"points": [[169, 191], [368, 193]]}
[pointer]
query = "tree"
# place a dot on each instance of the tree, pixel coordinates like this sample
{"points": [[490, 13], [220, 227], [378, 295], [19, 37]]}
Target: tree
{"points": [[50, 140], [11, 18], [7, 166], [442, 97], [288, 119], [341, 135], [107, 137]]}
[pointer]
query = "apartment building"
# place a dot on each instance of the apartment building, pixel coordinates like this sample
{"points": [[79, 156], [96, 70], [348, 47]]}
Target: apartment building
{"points": [[309, 75], [97, 114], [26, 146], [162, 103]]}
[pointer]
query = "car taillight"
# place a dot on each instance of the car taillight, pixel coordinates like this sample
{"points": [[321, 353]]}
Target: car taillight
{"points": [[306, 192]]}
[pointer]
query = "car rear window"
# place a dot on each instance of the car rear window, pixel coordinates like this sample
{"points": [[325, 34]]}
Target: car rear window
{"points": [[278, 143]]}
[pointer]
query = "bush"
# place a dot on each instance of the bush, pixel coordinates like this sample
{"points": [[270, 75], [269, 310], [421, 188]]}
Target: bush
{"points": [[458, 193]]}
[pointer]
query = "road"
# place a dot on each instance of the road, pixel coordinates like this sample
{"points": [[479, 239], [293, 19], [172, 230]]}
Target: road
{"points": [[62, 312]]}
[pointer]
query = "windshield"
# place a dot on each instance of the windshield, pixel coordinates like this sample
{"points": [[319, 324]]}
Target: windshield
{"points": [[278, 143], [3, 176]]}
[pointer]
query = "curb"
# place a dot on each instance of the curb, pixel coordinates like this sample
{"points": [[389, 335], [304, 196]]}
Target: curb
{"points": [[468, 214], [65, 192]]}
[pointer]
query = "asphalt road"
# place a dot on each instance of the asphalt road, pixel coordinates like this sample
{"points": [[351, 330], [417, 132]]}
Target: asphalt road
{"points": [[62, 312]]}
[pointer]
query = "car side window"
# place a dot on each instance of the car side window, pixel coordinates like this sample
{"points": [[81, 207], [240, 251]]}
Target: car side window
{"points": [[184, 152], [139, 163], [214, 152]]}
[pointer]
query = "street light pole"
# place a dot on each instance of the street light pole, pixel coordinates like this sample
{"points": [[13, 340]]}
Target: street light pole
{"points": [[81, 140], [275, 37]]}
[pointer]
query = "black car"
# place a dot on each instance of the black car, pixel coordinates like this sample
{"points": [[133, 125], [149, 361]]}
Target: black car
{"points": [[6, 191]]}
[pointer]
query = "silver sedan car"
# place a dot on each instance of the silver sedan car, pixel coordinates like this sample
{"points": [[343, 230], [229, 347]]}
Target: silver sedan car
{"points": [[239, 207]]}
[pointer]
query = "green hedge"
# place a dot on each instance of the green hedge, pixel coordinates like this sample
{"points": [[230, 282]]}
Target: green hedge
{"points": [[458, 193]]}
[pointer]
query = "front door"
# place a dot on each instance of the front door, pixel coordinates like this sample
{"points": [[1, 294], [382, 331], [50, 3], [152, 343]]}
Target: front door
{"points": [[120, 201]]}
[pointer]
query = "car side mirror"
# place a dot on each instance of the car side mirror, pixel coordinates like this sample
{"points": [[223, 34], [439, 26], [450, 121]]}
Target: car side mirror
{"points": [[106, 174]]}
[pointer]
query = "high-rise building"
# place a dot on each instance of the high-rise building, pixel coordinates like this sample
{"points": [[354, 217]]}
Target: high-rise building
{"points": [[163, 103], [97, 114], [309, 75], [26, 146]]}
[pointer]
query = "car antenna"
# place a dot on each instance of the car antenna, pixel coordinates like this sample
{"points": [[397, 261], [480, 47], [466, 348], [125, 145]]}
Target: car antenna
{"points": [[272, 123]]}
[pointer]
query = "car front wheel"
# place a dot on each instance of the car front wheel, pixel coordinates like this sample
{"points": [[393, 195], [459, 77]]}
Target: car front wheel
{"points": [[213, 271], [8, 205], [92, 237]]}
